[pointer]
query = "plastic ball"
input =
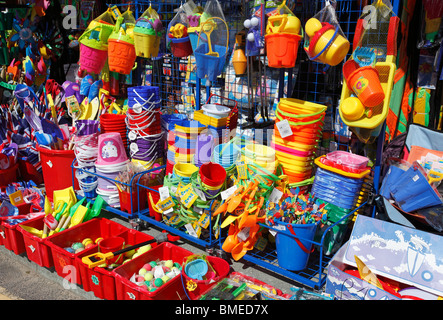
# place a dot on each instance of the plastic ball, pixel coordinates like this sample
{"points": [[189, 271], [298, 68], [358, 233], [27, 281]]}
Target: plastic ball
{"points": [[152, 289], [129, 254], [142, 271], [149, 276], [247, 24], [158, 282], [79, 250], [169, 263], [147, 266], [153, 263], [87, 241], [144, 248], [177, 265], [89, 245], [165, 279], [77, 245], [135, 255], [254, 21], [250, 37]]}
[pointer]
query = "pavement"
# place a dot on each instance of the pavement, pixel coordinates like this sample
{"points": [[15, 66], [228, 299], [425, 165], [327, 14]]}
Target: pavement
{"points": [[22, 279]]}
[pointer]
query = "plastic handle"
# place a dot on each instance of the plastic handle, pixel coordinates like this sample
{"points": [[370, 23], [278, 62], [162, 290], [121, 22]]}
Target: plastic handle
{"points": [[298, 241], [283, 20]]}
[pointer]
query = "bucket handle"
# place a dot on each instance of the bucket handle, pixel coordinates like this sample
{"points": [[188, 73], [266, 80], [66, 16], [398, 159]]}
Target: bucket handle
{"points": [[298, 241], [284, 20], [327, 45], [227, 31]]}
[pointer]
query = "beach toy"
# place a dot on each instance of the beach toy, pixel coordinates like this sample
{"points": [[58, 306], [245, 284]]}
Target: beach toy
{"points": [[325, 42], [352, 108], [147, 34], [210, 59], [216, 111], [367, 128], [282, 39], [111, 150], [196, 269], [121, 50], [364, 82], [212, 174]]}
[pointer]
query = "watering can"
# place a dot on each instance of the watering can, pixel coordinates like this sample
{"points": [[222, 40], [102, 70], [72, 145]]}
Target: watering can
{"points": [[283, 24]]}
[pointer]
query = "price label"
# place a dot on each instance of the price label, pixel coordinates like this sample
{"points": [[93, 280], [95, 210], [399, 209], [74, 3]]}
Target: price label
{"points": [[189, 198], [228, 192], [165, 204], [200, 194], [284, 128], [243, 234], [275, 195], [242, 171], [164, 193], [204, 220], [191, 230]]}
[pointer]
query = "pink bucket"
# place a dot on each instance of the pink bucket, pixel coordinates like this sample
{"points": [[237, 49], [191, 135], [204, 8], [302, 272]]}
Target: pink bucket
{"points": [[92, 60]]}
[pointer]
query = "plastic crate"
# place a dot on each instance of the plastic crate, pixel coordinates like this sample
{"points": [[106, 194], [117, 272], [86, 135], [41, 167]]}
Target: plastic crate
{"points": [[208, 120], [64, 261], [100, 280], [37, 248], [11, 237], [172, 290]]}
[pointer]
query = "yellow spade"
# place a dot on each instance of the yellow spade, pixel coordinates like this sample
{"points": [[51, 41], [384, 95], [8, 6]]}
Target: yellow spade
{"points": [[79, 214], [33, 231], [367, 274], [207, 29], [66, 195], [48, 210], [89, 109]]}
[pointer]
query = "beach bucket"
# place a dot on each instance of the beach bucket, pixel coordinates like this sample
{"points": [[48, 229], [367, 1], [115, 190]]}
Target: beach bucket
{"points": [[146, 45], [212, 174], [207, 65], [294, 245], [352, 108], [281, 49], [56, 168], [364, 82], [111, 150], [184, 170], [112, 244], [121, 56], [181, 47], [326, 43], [91, 59]]}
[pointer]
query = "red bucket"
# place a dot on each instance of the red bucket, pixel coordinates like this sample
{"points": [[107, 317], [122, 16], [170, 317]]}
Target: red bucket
{"points": [[56, 167], [181, 48], [212, 174], [125, 200], [155, 196]]}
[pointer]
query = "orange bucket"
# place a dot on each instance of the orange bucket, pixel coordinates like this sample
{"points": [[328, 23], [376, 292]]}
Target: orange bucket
{"points": [[281, 49], [121, 56], [365, 83]]}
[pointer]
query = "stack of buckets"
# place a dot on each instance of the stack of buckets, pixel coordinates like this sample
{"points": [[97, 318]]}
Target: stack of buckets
{"points": [[261, 157], [86, 150], [296, 151], [143, 120], [186, 133], [339, 178], [111, 160], [183, 172], [213, 177], [168, 125], [116, 123], [203, 149], [225, 154]]}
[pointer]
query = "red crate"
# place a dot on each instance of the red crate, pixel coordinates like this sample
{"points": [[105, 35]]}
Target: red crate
{"points": [[37, 248], [102, 281], [171, 290], [64, 261], [11, 237]]}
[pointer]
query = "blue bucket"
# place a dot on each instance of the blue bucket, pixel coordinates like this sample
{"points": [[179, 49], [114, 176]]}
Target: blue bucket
{"points": [[293, 249], [412, 191], [209, 66]]}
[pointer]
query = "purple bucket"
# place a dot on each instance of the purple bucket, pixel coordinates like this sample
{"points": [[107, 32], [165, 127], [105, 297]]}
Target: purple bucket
{"points": [[105, 180], [86, 127]]}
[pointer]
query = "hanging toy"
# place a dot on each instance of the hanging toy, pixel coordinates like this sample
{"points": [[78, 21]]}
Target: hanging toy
{"points": [[254, 40]]}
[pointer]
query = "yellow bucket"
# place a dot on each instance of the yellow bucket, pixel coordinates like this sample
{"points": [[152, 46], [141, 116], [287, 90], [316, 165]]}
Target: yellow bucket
{"points": [[259, 152], [184, 169], [146, 45]]}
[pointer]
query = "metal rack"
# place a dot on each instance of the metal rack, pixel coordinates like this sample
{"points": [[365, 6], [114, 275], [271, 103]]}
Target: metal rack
{"points": [[309, 81]]}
